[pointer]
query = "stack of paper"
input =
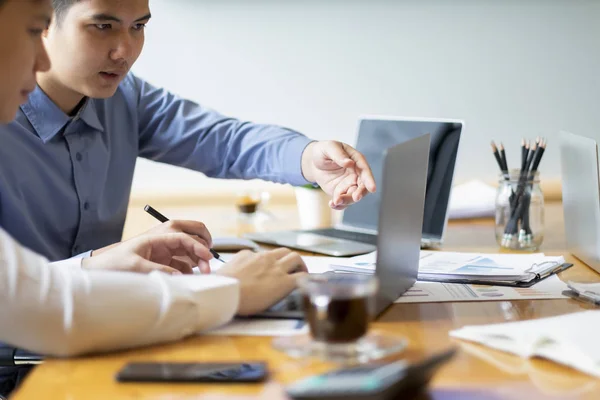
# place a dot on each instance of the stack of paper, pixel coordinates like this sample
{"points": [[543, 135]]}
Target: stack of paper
{"points": [[449, 266], [570, 339], [435, 266], [473, 199]]}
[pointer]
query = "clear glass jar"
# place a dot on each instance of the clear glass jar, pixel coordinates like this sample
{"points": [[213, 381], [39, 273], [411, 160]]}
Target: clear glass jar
{"points": [[519, 212]]}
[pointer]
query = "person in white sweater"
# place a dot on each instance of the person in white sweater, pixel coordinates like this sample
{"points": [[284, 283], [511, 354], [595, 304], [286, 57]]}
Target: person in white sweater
{"points": [[133, 294]]}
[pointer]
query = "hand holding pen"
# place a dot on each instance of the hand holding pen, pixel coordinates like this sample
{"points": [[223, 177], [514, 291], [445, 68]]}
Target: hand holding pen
{"points": [[193, 228]]}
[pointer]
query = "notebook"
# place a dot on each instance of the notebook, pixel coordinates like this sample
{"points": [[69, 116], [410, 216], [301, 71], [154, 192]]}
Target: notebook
{"points": [[570, 339], [522, 270]]}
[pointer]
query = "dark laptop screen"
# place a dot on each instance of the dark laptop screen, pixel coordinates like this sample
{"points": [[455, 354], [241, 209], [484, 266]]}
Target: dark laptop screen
{"points": [[376, 135]]}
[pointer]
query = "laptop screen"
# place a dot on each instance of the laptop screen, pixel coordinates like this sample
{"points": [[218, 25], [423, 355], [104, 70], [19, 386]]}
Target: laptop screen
{"points": [[581, 196], [376, 135]]}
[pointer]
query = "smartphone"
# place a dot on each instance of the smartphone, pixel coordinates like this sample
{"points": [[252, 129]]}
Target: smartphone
{"points": [[193, 372]]}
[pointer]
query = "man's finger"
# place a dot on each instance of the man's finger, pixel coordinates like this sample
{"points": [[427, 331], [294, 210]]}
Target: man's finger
{"points": [[280, 252], [196, 228], [356, 192], [298, 275], [336, 207], [345, 201], [293, 263], [359, 193], [187, 254], [181, 244], [342, 188], [204, 267], [182, 266], [362, 168], [146, 267], [352, 189], [335, 151]]}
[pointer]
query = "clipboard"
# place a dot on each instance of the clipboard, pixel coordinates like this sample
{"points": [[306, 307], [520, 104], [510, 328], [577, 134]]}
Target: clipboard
{"points": [[522, 284]]}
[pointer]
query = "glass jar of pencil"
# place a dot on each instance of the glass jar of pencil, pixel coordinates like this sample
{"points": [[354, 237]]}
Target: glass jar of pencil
{"points": [[519, 211]]}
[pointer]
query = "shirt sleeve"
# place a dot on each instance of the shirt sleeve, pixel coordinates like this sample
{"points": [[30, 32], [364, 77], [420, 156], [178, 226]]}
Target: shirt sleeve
{"points": [[62, 310], [177, 131], [86, 254]]}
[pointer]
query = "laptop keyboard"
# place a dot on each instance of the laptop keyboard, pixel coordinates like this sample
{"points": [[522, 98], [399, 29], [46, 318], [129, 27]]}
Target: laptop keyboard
{"points": [[348, 235], [292, 302]]}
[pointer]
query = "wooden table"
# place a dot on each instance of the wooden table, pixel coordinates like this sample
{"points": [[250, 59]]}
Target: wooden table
{"points": [[475, 373]]}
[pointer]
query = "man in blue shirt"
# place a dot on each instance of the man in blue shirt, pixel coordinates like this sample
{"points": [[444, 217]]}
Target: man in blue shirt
{"points": [[67, 162]]}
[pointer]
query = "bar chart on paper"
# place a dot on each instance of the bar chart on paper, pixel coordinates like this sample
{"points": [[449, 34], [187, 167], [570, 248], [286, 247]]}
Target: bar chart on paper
{"points": [[431, 292]]}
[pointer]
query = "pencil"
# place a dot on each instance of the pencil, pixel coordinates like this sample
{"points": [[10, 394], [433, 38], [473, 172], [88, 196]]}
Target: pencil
{"points": [[498, 159], [524, 152], [532, 150], [538, 159], [503, 159]]}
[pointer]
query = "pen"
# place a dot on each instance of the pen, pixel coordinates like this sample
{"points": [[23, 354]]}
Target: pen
{"points": [[162, 218], [11, 356], [581, 297]]}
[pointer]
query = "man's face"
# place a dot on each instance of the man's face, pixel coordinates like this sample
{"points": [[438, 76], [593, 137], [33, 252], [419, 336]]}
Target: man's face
{"points": [[95, 44], [22, 53]]}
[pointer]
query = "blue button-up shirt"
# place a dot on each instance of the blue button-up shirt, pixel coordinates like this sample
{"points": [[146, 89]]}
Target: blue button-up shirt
{"points": [[65, 181]]}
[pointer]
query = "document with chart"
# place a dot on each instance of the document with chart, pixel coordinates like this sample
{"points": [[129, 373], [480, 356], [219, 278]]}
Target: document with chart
{"points": [[431, 292], [522, 270]]}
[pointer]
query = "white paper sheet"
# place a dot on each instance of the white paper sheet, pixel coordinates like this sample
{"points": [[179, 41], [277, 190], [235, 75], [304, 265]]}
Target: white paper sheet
{"points": [[570, 339], [261, 327], [430, 292], [315, 265]]}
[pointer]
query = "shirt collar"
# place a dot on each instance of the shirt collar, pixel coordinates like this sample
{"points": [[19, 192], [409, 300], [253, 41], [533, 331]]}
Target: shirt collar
{"points": [[48, 120], [89, 115]]}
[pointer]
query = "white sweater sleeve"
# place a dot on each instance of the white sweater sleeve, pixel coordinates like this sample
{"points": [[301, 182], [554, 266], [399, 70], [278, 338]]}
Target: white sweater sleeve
{"points": [[60, 309]]}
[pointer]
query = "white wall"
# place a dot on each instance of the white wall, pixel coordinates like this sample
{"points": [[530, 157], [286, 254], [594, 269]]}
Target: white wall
{"points": [[508, 68]]}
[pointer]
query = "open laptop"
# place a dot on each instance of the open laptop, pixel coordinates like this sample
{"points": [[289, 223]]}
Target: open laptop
{"points": [[357, 233], [581, 197], [400, 226]]}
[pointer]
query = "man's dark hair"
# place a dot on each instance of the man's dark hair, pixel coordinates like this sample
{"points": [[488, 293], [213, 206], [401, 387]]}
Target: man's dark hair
{"points": [[61, 7], [54, 1]]}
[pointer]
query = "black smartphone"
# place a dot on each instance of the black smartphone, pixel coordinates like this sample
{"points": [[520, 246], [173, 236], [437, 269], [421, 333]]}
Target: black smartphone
{"points": [[193, 372]]}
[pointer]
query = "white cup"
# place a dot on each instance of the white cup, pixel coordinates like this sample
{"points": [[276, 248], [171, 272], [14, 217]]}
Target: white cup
{"points": [[313, 208]]}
